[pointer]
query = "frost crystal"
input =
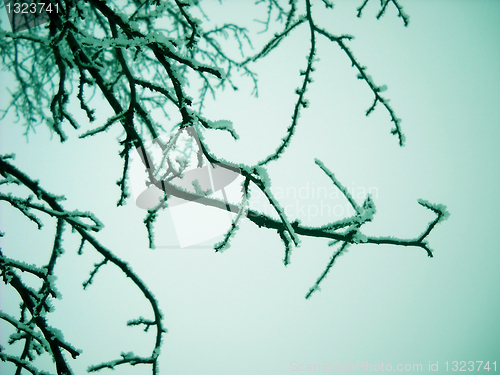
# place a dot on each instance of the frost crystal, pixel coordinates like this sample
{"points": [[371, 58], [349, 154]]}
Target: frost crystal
{"points": [[439, 209]]}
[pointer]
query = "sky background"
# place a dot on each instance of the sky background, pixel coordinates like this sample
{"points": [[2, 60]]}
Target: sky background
{"points": [[242, 311]]}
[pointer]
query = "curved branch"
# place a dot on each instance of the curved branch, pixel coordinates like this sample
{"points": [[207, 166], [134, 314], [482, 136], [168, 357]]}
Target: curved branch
{"points": [[8, 169]]}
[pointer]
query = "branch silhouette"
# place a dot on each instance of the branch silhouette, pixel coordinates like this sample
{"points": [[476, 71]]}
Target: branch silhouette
{"points": [[140, 57], [36, 301]]}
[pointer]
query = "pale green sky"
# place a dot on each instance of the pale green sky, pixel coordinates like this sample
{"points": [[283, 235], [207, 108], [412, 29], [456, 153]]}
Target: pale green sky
{"points": [[243, 312]]}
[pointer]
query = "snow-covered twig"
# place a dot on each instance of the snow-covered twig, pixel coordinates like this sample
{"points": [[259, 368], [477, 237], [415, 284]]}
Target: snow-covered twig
{"points": [[36, 302]]}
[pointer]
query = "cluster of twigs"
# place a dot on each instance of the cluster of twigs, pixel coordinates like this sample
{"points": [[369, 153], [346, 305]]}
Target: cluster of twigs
{"points": [[141, 56], [32, 326]]}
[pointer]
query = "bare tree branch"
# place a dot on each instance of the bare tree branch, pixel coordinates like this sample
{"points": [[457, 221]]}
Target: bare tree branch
{"points": [[138, 58]]}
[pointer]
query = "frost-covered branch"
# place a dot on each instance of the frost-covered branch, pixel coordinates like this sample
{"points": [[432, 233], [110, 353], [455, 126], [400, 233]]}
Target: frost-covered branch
{"points": [[20, 326], [21, 363], [222, 245], [140, 58], [127, 358], [301, 101], [99, 44], [54, 340], [383, 8], [339, 252], [369, 80], [37, 302]]}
